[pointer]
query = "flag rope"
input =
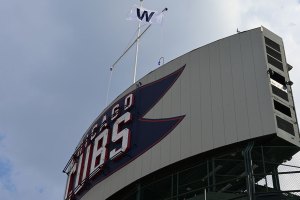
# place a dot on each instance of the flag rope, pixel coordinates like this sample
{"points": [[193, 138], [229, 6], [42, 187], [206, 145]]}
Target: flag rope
{"points": [[108, 88]]}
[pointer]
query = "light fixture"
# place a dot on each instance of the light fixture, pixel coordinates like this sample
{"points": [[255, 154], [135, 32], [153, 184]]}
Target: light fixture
{"points": [[138, 84], [163, 60], [290, 83]]}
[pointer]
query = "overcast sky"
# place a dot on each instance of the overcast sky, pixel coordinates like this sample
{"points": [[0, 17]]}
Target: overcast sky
{"points": [[54, 65]]}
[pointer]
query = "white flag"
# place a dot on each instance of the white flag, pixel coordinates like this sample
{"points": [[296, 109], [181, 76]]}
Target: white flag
{"points": [[144, 15]]}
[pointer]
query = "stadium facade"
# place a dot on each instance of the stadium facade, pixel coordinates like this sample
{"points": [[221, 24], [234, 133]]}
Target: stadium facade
{"points": [[218, 122]]}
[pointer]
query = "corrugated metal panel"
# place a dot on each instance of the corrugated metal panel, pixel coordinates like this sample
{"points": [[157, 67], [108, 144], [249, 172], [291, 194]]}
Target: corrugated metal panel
{"points": [[250, 86], [185, 108], [241, 112], [216, 96], [195, 103], [146, 163], [206, 105], [228, 93]]}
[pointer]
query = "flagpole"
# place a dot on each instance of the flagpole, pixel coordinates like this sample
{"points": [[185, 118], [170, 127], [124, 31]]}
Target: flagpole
{"points": [[137, 47]]}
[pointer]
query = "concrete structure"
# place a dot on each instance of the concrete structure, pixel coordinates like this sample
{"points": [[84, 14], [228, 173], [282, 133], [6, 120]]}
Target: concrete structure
{"points": [[234, 93]]}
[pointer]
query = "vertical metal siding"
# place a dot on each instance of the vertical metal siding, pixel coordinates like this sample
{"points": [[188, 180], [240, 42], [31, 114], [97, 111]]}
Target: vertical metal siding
{"points": [[262, 79], [205, 94], [185, 105], [195, 103], [241, 114], [228, 93], [216, 95], [250, 86]]}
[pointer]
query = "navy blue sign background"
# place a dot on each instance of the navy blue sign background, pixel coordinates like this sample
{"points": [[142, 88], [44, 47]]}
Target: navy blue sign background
{"points": [[145, 133]]}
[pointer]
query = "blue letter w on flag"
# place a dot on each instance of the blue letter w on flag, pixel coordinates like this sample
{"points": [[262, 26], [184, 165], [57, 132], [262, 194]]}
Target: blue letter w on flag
{"points": [[141, 14], [144, 14]]}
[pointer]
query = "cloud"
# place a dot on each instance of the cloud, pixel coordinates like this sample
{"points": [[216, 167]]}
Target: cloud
{"points": [[5, 175], [7, 185], [1, 137], [40, 189]]}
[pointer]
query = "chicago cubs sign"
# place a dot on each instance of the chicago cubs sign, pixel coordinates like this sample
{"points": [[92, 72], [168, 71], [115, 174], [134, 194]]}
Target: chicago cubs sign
{"points": [[120, 135]]}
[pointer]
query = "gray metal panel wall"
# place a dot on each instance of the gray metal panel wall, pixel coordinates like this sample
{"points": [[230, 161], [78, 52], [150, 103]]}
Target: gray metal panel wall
{"points": [[224, 92], [261, 76], [295, 139]]}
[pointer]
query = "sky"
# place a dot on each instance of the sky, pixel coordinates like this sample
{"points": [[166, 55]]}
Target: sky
{"points": [[54, 67]]}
